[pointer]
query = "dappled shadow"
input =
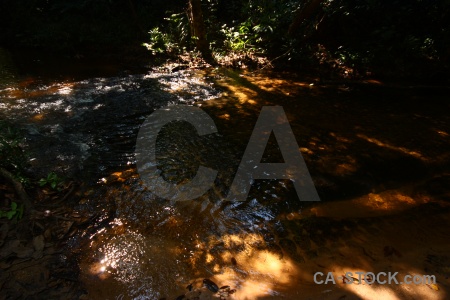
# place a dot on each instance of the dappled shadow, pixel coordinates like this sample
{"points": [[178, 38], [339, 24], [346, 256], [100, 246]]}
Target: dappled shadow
{"points": [[380, 146], [355, 138]]}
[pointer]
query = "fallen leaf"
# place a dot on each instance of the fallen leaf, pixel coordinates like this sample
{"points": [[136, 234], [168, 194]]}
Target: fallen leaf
{"points": [[22, 251], [9, 248], [39, 243]]}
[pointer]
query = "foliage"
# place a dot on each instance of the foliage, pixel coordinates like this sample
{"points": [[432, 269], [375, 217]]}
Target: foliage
{"points": [[173, 39], [254, 27], [53, 180], [242, 37], [401, 37], [235, 26], [159, 42], [348, 36], [16, 212]]}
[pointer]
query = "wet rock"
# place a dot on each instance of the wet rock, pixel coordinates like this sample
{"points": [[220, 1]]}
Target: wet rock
{"points": [[279, 230], [210, 285], [233, 261], [224, 292], [176, 68]]}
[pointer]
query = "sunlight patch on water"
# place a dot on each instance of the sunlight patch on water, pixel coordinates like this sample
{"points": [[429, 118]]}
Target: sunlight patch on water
{"points": [[258, 273], [372, 204], [131, 263], [65, 90], [148, 266], [275, 85], [442, 133], [188, 86], [392, 147]]}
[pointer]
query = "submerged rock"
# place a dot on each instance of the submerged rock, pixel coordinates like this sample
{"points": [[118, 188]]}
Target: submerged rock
{"points": [[210, 285]]}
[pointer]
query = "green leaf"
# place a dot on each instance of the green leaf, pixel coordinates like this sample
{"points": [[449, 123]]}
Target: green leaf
{"points": [[53, 184], [10, 214], [42, 182], [13, 206]]}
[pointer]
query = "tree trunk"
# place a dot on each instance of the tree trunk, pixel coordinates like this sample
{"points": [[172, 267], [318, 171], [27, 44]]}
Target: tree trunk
{"points": [[306, 12], [198, 27]]}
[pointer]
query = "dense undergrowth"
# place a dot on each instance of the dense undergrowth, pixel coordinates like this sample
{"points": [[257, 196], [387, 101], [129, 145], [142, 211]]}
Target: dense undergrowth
{"points": [[348, 38]]}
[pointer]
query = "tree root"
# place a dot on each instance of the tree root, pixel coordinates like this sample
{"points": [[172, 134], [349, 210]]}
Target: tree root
{"points": [[18, 187]]}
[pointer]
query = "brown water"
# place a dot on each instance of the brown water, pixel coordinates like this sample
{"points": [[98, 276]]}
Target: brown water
{"points": [[377, 154]]}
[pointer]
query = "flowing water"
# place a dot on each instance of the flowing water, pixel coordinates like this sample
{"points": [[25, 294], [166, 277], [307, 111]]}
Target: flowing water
{"points": [[139, 246]]}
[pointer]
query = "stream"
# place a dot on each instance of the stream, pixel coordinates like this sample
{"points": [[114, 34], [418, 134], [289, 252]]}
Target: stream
{"points": [[380, 157]]}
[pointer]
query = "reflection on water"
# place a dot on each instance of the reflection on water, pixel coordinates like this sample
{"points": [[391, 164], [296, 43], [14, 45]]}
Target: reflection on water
{"points": [[126, 261], [151, 250]]}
